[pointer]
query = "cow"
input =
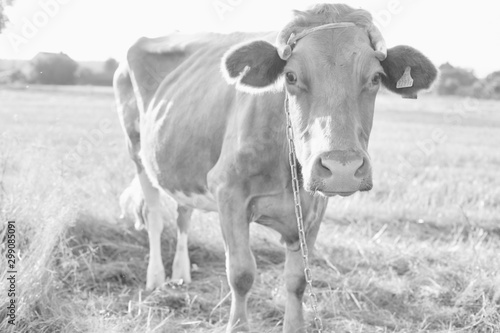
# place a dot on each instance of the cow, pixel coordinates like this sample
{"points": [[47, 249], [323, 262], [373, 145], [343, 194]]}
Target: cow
{"points": [[205, 122]]}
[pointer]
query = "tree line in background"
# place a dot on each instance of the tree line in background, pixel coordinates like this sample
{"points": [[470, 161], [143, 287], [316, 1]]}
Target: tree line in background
{"points": [[60, 69], [462, 82]]}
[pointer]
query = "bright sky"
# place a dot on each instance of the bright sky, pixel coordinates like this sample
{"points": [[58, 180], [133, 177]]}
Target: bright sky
{"points": [[466, 33]]}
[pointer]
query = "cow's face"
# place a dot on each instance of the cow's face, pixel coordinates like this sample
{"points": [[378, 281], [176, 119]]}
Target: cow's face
{"points": [[331, 81]]}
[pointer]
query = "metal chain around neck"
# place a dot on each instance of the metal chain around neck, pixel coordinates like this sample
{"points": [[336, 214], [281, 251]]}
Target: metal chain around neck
{"points": [[292, 158]]}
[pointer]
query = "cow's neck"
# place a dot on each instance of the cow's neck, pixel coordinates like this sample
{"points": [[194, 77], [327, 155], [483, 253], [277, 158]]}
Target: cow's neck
{"points": [[264, 127]]}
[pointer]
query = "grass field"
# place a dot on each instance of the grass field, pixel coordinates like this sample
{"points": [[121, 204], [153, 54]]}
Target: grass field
{"points": [[418, 253]]}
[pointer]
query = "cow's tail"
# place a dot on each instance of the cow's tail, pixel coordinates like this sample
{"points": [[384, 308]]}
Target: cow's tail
{"points": [[132, 199], [128, 112]]}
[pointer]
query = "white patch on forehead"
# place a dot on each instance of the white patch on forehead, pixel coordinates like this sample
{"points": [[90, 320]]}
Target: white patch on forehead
{"points": [[321, 133]]}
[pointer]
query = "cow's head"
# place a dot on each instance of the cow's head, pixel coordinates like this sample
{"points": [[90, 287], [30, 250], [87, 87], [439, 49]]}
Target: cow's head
{"points": [[331, 77]]}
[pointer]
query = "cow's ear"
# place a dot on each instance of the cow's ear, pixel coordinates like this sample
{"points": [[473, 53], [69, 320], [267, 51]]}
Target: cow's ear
{"points": [[253, 66], [407, 71]]}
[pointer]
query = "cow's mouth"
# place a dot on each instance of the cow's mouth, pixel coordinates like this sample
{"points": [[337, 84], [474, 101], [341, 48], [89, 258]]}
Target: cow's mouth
{"points": [[342, 194], [363, 187]]}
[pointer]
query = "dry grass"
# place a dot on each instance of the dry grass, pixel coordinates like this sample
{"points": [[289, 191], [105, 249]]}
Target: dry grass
{"points": [[419, 253]]}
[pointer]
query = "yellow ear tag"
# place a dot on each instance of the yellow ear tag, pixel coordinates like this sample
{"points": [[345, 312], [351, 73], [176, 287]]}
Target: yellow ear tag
{"points": [[406, 80]]}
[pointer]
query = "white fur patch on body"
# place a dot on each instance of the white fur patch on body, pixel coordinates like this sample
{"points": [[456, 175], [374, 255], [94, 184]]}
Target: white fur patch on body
{"points": [[137, 125]]}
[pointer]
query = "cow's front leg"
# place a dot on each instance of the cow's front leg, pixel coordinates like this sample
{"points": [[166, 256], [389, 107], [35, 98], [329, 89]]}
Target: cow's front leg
{"points": [[296, 284], [240, 262], [181, 267]]}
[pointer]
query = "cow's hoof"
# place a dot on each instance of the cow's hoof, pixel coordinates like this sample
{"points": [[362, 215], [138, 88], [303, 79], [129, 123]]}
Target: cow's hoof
{"points": [[181, 279], [181, 271], [155, 281]]}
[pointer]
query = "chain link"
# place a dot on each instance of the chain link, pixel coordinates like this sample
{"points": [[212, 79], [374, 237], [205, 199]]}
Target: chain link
{"points": [[300, 221]]}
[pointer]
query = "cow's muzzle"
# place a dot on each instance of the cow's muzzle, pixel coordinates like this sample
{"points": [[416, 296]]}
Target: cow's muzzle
{"points": [[340, 172]]}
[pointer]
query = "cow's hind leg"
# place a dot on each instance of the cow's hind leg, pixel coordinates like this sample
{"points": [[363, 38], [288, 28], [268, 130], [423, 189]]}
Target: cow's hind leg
{"points": [[128, 114], [240, 262], [154, 225], [181, 268]]}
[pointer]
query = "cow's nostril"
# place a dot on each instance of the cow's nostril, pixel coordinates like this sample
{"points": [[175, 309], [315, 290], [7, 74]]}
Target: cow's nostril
{"points": [[323, 170], [362, 170]]}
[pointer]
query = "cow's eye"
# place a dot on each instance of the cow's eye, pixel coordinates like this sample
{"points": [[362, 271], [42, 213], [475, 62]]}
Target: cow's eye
{"points": [[291, 77], [376, 79]]}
